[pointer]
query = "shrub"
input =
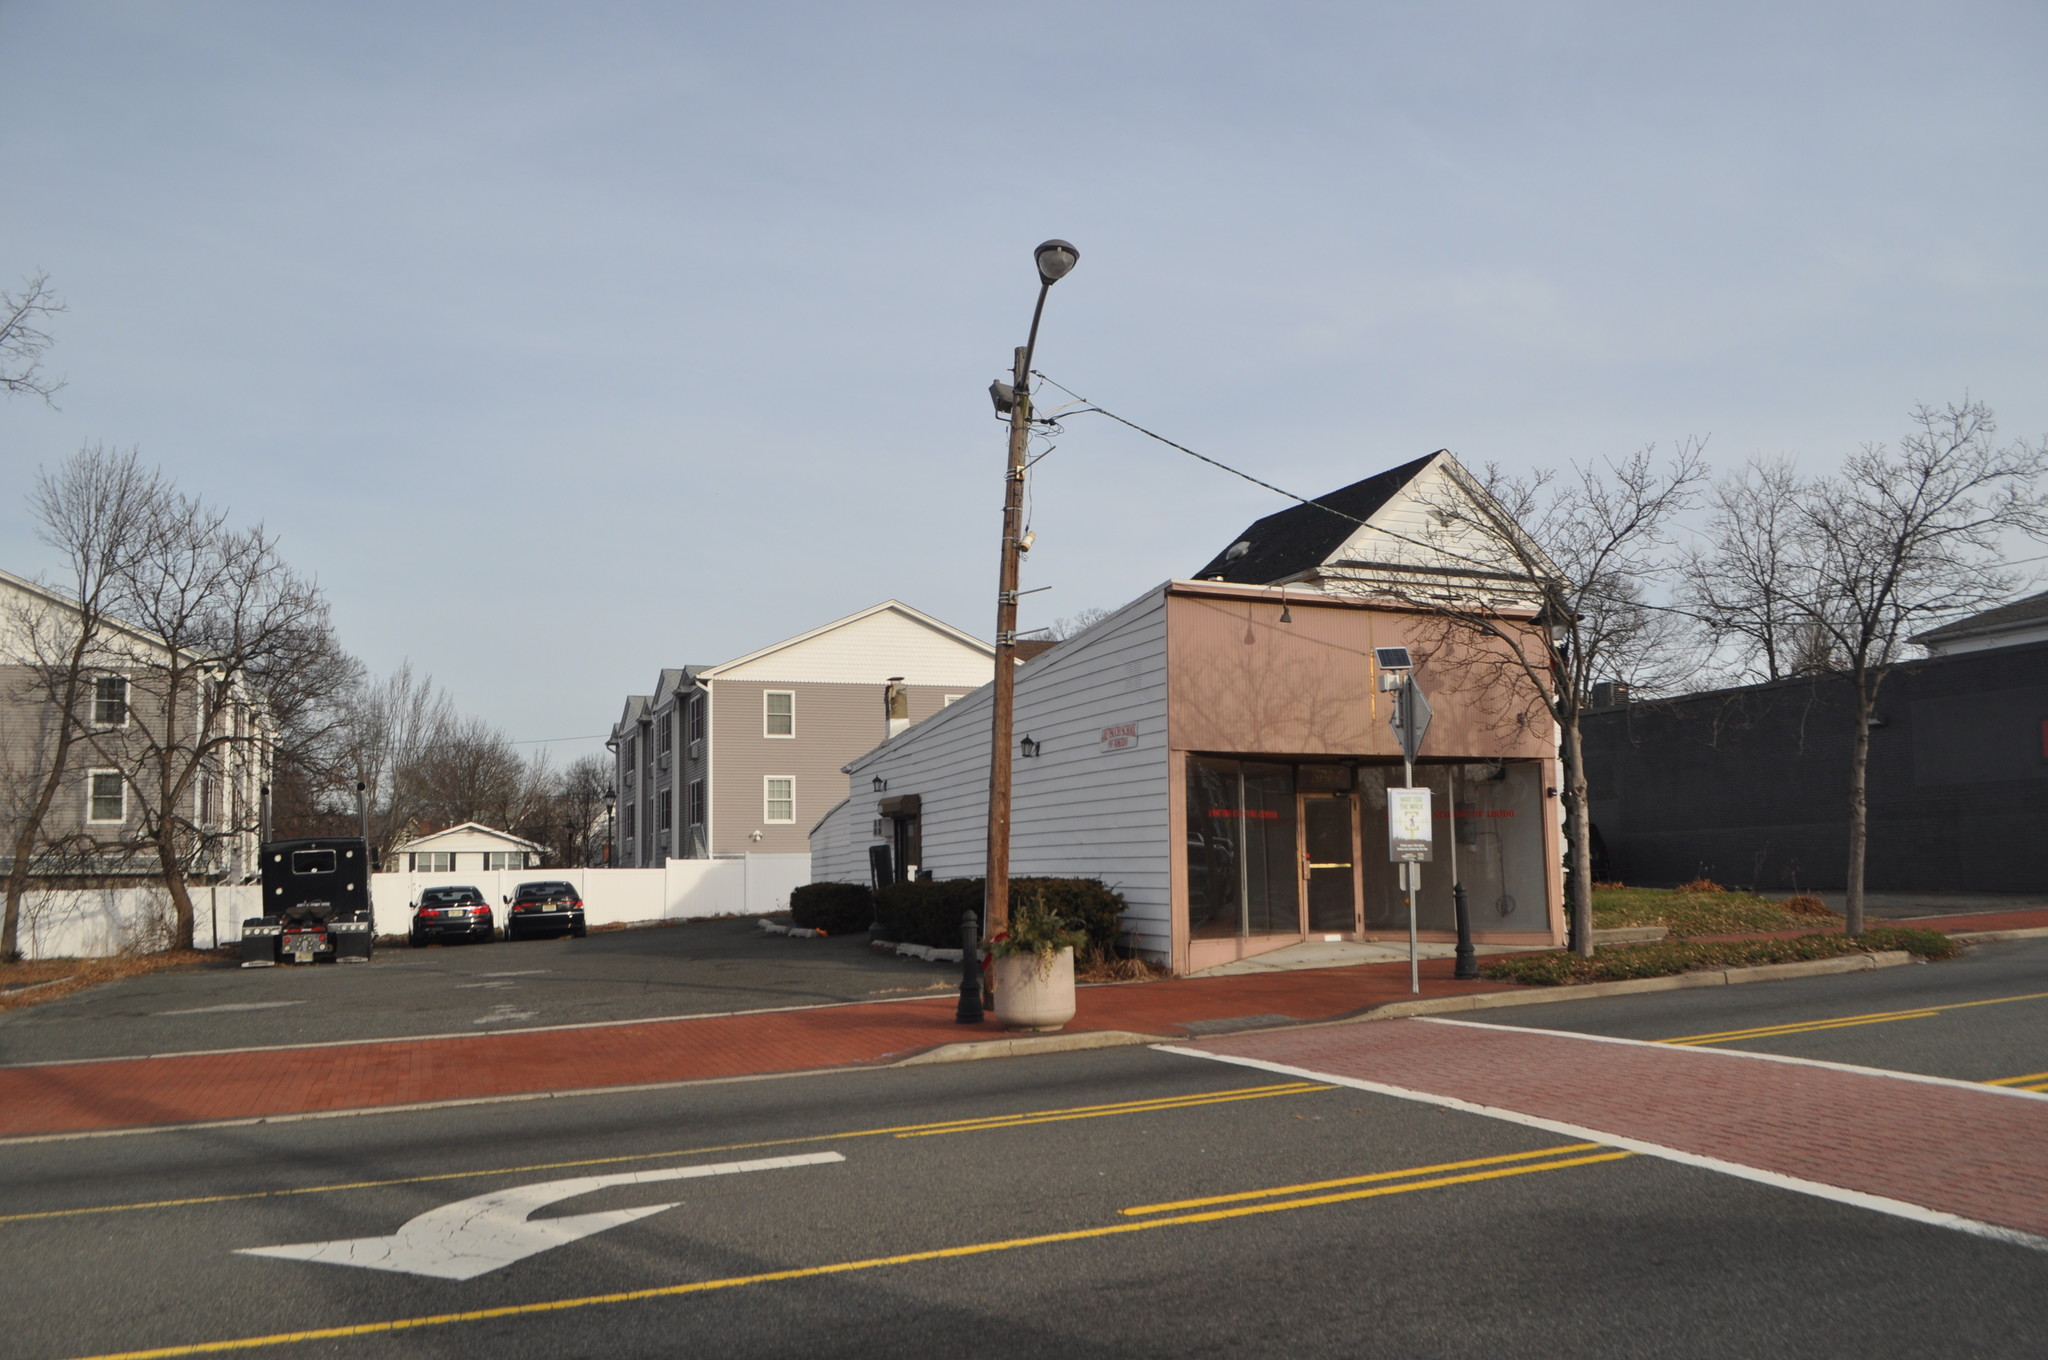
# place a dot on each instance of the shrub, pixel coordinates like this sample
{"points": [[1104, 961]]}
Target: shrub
{"points": [[1701, 885], [835, 908], [929, 913], [1806, 904], [1616, 962]]}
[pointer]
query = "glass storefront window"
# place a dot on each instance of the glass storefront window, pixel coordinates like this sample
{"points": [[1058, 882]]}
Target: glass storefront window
{"points": [[1241, 849], [1498, 851]]}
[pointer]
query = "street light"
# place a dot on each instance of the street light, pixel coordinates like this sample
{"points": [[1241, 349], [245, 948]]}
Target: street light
{"points": [[1055, 260], [611, 808]]}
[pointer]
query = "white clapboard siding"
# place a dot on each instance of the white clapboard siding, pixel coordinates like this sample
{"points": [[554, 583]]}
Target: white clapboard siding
{"points": [[1430, 522], [1078, 809]]}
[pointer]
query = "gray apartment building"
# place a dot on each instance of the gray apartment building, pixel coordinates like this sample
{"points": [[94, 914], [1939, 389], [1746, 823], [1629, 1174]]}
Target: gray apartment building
{"points": [[96, 825], [746, 756]]}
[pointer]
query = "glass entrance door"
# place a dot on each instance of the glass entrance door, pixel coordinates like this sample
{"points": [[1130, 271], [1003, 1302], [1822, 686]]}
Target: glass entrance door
{"points": [[1329, 857]]}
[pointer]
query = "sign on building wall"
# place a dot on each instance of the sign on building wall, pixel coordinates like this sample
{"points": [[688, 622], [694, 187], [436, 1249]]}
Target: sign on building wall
{"points": [[1121, 736], [1410, 832]]}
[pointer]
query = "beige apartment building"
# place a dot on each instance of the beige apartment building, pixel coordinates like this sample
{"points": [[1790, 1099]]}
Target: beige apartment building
{"points": [[746, 756]]}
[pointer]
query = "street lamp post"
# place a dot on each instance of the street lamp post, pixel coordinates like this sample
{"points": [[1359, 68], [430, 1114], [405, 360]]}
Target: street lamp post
{"points": [[611, 810], [1055, 259]]}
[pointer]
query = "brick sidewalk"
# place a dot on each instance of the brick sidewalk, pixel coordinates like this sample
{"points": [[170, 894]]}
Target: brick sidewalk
{"points": [[1972, 1151], [146, 1091]]}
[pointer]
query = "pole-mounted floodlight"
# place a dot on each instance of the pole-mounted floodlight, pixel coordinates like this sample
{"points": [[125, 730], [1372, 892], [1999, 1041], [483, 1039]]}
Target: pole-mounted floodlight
{"points": [[1055, 260]]}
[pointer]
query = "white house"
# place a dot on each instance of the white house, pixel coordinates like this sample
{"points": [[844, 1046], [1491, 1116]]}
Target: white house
{"points": [[469, 846]]}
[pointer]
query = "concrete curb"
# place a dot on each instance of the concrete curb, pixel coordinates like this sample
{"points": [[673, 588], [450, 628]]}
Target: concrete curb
{"points": [[1994, 936], [1023, 1045], [1586, 991]]}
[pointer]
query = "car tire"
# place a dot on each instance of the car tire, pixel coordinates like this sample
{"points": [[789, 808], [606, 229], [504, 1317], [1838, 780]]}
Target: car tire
{"points": [[577, 931], [417, 942]]}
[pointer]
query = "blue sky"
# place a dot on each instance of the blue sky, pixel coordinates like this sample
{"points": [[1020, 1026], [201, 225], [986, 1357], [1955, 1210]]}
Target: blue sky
{"points": [[565, 342]]}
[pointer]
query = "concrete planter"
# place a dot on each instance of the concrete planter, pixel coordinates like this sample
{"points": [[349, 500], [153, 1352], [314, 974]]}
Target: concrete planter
{"points": [[1033, 992]]}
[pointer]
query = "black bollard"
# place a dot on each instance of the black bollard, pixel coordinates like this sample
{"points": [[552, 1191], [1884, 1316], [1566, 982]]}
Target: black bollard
{"points": [[1468, 961], [969, 1012]]}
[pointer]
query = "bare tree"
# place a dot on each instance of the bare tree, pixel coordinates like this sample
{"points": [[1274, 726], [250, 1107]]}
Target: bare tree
{"points": [[229, 614], [1893, 542], [1737, 586], [1575, 551], [1073, 625], [94, 510], [23, 339], [580, 801]]}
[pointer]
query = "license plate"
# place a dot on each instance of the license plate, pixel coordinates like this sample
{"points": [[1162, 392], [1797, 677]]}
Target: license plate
{"points": [[551, 907]]}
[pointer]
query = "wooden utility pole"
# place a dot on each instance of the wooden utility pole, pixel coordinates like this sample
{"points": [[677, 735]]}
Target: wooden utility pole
{"points": [[1054, 259]]}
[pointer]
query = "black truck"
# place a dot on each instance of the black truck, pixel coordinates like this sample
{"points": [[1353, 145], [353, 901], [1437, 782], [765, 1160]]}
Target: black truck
{"points": [[316, 904]]}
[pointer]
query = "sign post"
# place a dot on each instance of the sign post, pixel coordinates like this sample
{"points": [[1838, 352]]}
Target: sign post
{"points": [[1411, 829]]}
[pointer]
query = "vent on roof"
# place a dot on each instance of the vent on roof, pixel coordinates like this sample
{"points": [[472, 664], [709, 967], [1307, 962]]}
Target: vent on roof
{"points": [[1237, 550]]}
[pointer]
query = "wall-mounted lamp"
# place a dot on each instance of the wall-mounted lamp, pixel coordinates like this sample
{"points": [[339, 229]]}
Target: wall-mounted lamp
{"points": [[880, 784], [1028, 748], [1286, 614]]}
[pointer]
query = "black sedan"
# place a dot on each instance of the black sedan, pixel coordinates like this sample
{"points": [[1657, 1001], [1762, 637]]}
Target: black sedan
{"points": [[452, 914], [551, 908]]}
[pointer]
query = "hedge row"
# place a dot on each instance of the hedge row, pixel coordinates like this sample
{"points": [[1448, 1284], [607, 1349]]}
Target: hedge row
{"points": [[929, 913], [835, 908], [1613, 963]]}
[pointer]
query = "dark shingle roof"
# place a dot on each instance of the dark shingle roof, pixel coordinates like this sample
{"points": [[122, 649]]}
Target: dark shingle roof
{"points": [[2018, 614], [1284, 545]]}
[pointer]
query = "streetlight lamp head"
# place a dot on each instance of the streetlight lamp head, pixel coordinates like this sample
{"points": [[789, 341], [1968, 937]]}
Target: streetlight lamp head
{"points": [[1055, 261]]}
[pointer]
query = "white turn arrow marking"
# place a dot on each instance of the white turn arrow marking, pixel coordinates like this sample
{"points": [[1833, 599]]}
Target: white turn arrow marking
{"points": [[471, 1237]]}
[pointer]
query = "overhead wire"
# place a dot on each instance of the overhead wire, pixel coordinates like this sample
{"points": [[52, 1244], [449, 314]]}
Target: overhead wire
{"points": [[1091, 408]]}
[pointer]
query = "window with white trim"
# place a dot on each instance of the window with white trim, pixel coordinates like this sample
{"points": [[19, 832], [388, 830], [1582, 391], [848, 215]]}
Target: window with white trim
{"points": [[504, 859], [106, 797], [778, 798], [696, 717], [696, 805], [110, 701], [433, 861], [950, 700], [778, 713]]}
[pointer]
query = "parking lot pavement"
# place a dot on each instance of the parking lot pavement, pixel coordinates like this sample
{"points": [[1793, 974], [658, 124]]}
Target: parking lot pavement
{"points": [[1123, 1203], [695, 968]]}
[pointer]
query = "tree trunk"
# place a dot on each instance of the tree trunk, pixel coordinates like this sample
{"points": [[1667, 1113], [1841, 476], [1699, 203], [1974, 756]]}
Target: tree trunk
{"points": [[1859, 807], [1578, 830]]}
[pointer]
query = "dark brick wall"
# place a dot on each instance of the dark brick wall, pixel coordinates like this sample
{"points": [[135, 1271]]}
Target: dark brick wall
{"points": [[1750, 786]]}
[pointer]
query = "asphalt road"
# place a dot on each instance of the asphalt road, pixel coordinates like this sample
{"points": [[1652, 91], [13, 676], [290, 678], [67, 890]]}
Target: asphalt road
{"points": [[1980, 1017], [697, 968], [1007, 1229]]}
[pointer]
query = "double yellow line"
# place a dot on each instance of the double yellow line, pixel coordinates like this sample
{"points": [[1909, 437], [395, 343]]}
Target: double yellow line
{"points": [[2033, 1081], [1730, 1036], [990, 1122], [1142, 1218], [1012, 1121]]}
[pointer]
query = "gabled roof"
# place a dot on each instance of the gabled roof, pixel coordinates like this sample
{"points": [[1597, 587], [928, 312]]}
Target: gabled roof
{"points": [[2030, 612], [1428, 519], [632, 713], [887, 606], [469, 829], [1297, 540]]}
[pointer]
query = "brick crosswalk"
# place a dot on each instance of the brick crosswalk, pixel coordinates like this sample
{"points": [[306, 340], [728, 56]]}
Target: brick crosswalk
{"points": [[1947, 1149]]}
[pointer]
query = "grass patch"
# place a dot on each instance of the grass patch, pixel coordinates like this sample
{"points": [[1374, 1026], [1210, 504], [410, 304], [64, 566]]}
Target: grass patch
{"points": [[1686, 914], [30, 983], [1666, 958]]}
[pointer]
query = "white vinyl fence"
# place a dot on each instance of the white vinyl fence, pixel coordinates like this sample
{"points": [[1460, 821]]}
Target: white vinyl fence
{"points": [[96, 922]]}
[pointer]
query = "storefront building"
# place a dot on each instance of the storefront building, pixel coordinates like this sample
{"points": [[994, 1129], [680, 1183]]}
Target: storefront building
{"points": [[1219, 752]]}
